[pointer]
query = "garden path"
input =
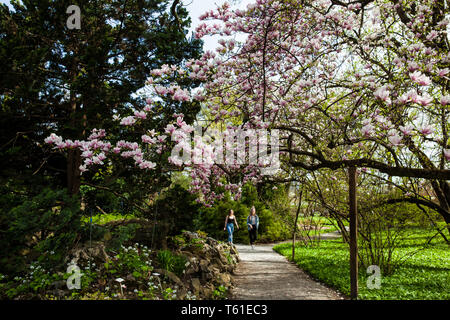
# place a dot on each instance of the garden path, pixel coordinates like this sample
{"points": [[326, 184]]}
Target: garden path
{"points": [[263, 274]]}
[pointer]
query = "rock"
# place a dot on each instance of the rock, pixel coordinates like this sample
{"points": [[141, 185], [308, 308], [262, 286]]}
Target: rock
{"points": [[231, 268], [61, 284], [223, 279], [204, 265], [214, 271], [58, 293], [219, 264], [196, 286], [89, 252], [182, 293], [172, 276], [207, 290], [190, 235], [233, 250], [212, 241], [193, 266], [223, 258], [187, 254], [130, 277], [210, 263]]}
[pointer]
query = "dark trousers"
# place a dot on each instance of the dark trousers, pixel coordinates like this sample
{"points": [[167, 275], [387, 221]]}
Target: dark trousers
{"points": [[253, 233]]}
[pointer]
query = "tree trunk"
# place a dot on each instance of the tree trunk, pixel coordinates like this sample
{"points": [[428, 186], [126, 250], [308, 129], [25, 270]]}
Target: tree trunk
{"points": [[442, 191], [73, 156], [73, 171]]}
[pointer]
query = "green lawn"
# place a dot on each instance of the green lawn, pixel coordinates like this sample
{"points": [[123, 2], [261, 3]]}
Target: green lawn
{"points": [[425, 275], [105, 218], [317, 220]]}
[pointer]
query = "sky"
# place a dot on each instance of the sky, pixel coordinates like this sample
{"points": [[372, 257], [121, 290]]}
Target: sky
{"points": [[197, 8]]}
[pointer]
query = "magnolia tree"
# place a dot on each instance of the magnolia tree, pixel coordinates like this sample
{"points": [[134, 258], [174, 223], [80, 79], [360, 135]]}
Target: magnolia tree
{"points": [[345, 83]]}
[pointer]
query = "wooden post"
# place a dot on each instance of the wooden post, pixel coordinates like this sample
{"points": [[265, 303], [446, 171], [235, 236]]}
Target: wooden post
{"points": [[353, 234], [295, 224]]}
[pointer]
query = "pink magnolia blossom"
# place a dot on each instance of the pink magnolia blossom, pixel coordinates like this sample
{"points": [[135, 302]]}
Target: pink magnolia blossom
{"points": [[367, 130], [147, 165], [181, 95], [97, 160], [295, 85], [447, 154], [425, 99], [419, 78], [161, 90], [97, 134], [382, 93], [146, 139], [53, 139], [394, 138], [140, 115], [170, 129], [406, 130], [445, 100], [83, 169], [128, 121], [426, 130], [87, 154], [443, 72], [413, 66]]}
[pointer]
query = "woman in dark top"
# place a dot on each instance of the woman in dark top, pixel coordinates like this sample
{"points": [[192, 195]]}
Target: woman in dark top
{"points": [[230, 221]]}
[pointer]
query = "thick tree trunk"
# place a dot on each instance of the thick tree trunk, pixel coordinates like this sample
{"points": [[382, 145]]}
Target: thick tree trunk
{"points": [[73, 156], [442, 191]]}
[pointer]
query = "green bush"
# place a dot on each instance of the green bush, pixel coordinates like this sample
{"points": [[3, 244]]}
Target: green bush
{"points": [[174, 211], [179, 265], [271, 227], [165, 259], [43, 227], [171, 262], [122, 235]]}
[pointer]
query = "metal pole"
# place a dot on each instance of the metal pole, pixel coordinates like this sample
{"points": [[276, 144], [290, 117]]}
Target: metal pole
{"points": [[353, 234], [90, 237], [154, 220]]}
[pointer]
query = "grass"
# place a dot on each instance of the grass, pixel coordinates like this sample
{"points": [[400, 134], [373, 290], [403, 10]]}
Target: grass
{"points": [[322, 221], [101, 218], [424, 275]]}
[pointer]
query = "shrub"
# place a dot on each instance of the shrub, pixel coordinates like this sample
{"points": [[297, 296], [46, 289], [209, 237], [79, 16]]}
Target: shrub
{"points": [[171, 262], [272, 226], [122, 235], [45, 226], [165, 259]]}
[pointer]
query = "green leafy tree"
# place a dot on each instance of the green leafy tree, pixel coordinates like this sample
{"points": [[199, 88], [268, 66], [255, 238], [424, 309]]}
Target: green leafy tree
{"points": [[55, 79]]}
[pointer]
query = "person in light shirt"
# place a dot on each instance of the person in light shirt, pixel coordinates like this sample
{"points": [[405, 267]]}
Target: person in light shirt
{"points": [[253, 225]]}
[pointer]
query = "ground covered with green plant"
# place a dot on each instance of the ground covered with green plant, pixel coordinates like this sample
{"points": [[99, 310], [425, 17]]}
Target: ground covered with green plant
{"points": [[421, 267]]}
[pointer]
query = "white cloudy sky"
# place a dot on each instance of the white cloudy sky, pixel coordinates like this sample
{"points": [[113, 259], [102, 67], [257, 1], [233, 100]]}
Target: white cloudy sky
{"points": [[198, 7]]}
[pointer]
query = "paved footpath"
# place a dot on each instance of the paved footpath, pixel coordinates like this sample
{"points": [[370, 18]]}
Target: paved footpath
{"points": [[263, 274]]}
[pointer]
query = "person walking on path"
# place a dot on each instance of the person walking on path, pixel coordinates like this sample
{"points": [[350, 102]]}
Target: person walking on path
{"points": [[253, 225], [230, 221]]}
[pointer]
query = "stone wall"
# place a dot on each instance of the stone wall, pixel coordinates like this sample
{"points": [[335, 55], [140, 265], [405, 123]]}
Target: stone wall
{"points": [[210, 263]]}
